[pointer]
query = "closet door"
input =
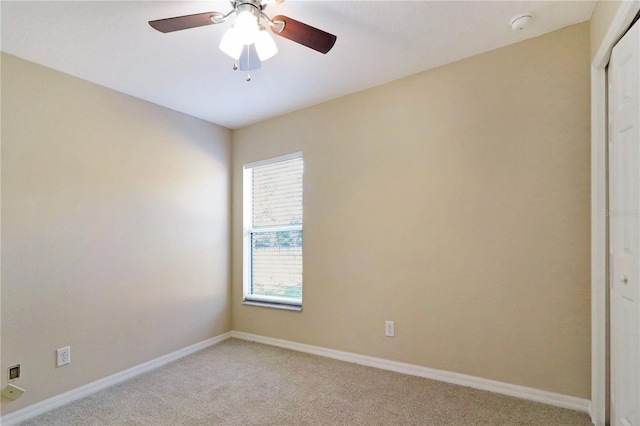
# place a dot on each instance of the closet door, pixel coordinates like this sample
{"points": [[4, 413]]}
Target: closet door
{"points": [[624, 212]]}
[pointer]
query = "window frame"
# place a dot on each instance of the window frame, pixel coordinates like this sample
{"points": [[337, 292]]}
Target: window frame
{"points": [[247, 229]]}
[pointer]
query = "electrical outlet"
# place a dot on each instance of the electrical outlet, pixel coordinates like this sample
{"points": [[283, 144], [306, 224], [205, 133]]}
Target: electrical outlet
{"points": [[64, 356], [389, 329]]}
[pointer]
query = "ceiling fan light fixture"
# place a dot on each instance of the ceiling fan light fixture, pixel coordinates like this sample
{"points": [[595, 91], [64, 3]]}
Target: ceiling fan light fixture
{"points": [[247, 23], [231, 43], [265, 46]]}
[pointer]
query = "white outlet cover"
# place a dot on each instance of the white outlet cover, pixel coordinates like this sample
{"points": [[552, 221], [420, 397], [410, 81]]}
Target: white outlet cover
{"points": [[389, 328], [63, 356]]}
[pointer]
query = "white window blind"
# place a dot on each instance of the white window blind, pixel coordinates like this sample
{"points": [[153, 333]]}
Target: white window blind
{"points": [[273, 231]]}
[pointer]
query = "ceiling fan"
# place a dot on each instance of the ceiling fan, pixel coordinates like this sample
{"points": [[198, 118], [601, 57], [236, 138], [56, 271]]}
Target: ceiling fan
{"points": [[247, 41]]}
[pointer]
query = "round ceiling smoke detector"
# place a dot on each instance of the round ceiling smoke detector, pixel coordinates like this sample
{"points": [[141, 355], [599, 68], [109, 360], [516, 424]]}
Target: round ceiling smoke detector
{"points": [[520, 22]]}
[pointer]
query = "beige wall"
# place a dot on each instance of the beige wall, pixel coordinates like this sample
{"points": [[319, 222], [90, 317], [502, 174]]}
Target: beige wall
{"points": [[601, 18], [115, 230], [454, 202]]}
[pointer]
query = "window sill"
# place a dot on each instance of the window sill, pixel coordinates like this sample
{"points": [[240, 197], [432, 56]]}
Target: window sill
{"points": [[273, 305]]}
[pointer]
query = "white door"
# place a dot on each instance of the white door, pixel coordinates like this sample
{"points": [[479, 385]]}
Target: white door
{"points": [[624, 209]]}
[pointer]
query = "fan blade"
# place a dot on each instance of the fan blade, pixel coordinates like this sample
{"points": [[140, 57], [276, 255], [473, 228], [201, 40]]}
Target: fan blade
{"points": [[178, 23], [304, 34]]}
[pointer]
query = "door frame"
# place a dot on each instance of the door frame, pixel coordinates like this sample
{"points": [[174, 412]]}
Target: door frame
{"points": [[599, 200]]}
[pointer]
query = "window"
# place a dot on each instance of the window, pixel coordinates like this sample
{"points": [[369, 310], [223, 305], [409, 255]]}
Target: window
{"points": [[272, 222]]}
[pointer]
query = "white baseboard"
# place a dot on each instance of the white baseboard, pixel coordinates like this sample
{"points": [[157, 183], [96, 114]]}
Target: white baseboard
{"points": [[517, 391], [523, 392], [88, 389]]}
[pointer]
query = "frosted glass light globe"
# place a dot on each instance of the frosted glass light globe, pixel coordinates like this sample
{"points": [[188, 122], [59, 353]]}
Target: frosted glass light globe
{"points": [[247, 26]]}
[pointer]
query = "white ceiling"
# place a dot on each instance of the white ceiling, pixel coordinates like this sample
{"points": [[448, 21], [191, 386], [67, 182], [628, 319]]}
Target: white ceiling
{"points": [[111, 44]]}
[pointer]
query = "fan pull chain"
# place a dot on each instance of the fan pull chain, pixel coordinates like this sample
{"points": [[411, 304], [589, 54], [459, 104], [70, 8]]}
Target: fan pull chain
{"points": [[235, 68]]}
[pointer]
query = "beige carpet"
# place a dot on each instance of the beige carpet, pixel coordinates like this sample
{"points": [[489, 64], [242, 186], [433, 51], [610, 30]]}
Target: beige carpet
{"points": [[242, 383]]}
